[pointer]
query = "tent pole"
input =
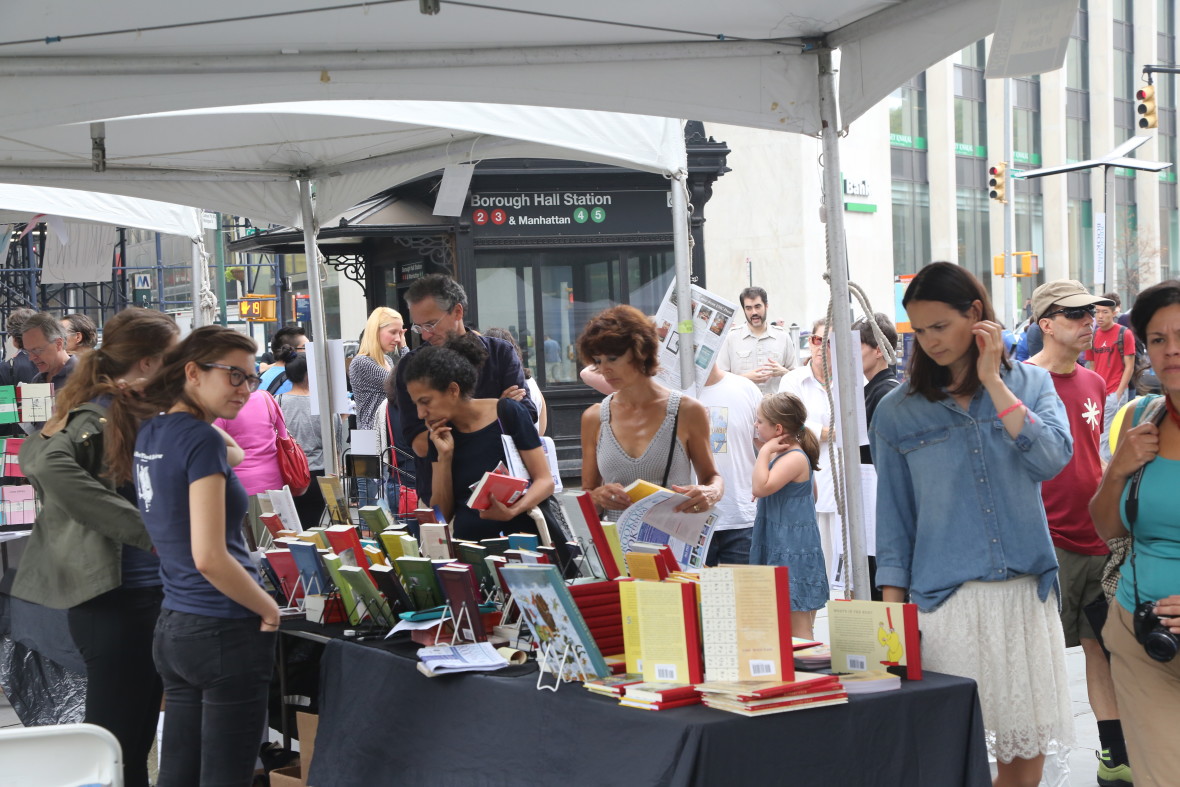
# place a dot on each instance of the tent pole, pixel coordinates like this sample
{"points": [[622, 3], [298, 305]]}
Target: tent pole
{"points": [[847, 356], [683, 267], [198, 279], [319, 329]]}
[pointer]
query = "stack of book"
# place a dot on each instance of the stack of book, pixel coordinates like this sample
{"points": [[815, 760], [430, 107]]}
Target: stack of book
{"points": [[814, 658], [612, 685], [659, 696], [750, 698], [599, 603], [870, 682]]}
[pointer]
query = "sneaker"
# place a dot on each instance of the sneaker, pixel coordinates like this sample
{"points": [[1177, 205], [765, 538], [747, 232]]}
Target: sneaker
{"points": [[1110, 775]]}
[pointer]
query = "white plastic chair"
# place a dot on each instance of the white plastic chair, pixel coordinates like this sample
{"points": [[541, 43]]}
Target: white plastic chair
{"points": [[62, 755]]}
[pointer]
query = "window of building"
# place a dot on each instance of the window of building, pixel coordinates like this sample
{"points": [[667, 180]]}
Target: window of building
{"points": [[911, 226], [1081, 240], [907, 114], [974, 238]]}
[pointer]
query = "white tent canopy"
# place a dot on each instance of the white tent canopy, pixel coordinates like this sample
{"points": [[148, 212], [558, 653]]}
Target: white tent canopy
{"points": [[244, 160], [21, 204], [737, 62]]}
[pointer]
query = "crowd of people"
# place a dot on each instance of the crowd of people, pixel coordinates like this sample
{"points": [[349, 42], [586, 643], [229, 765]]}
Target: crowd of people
{"points": [[994, 500]]}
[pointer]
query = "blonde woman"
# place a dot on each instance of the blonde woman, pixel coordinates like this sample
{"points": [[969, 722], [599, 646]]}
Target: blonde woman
{"points": [[384, 335]]}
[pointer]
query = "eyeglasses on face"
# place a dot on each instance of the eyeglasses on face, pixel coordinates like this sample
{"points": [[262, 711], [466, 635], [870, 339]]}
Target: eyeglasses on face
{"points": [[814, 339], [429, 327], [37, 352], [1073, 312], [237, 376]]}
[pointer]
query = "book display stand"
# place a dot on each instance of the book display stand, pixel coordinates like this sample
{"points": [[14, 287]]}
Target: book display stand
{"points": [[456, 624], [557, 667]]}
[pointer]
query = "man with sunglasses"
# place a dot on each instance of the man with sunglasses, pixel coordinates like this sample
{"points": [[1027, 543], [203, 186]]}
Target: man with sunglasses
{"points": [[437, 305], [1065, 311]]}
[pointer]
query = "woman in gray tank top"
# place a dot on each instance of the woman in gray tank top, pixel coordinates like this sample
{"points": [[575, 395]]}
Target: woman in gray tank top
{"points": [[642, 430]]}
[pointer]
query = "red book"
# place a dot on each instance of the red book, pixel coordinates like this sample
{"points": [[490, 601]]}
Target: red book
{"points": [[603, 602], [273, 523], [344, 538], [612, 619], [284, 566], [669, 558], [594, 525], [660, 692], [458, 583], [607, 645], [505, 488], [606, 587], [781, 703]]}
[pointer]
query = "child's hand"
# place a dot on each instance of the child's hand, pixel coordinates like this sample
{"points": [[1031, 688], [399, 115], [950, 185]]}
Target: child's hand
{"points": [[776, 445]]}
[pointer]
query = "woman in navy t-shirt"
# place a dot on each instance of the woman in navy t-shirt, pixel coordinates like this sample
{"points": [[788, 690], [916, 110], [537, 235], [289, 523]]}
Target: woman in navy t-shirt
{"points": [[215, 640], [465, 438]]}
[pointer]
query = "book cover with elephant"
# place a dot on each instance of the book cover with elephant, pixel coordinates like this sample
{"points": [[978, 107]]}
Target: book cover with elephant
{"points": [[875, 635]]}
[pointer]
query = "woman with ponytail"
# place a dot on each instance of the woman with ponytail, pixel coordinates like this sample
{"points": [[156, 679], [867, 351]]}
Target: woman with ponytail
{"points": [[89, 552], [786, 532], [215, 639]]}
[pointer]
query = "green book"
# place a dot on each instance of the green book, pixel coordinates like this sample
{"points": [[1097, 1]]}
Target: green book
{"points": [[420, 581], [347, 595], [8, 414], [364, 589], [376, 518], [410, 546]]}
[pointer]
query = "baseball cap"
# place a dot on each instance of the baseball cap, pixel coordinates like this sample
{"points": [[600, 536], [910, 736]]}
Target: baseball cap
{"points": [[1063, 292]]}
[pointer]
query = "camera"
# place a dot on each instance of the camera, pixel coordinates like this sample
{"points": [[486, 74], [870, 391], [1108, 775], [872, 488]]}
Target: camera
{"points": [[1160, 644]]}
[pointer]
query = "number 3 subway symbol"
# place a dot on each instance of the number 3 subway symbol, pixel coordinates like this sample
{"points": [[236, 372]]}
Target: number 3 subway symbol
{"points": [[499, 216]]}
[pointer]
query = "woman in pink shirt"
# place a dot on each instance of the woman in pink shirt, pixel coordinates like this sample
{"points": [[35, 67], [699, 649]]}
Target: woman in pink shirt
{"points": [[254, 430]]}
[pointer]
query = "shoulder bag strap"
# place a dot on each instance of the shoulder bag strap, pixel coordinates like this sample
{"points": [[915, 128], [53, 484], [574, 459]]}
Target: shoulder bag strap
{"points": [[671, 445]]}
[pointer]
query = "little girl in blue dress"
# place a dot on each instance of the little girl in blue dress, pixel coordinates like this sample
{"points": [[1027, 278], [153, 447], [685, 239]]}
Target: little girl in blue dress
{"points": [[785, 529]]}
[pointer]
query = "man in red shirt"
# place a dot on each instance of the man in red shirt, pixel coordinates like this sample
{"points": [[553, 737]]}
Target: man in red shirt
{"points": [[1113, 358], [1065, 312]]}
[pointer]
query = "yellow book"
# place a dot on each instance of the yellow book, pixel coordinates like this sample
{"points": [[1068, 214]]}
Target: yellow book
{"points": [[633, 652], [392, 540], [319, 537], [375, 555], [669, 632], [611, 530], [334, 498], [644, 565], [637, 490]]}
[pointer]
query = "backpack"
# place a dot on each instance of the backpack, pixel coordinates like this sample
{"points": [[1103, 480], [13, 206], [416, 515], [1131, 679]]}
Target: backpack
{"points": [[281, 377], [1143, 379]]}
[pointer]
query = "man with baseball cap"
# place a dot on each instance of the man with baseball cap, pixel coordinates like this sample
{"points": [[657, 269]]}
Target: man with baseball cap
{"points": [[1065, 314]]}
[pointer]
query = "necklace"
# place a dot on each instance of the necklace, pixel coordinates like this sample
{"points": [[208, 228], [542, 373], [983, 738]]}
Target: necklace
{"points": [[1172, 411]]}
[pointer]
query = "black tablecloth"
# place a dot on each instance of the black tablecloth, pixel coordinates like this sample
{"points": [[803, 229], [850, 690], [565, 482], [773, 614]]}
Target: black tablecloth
{"points": [[382, 722]]}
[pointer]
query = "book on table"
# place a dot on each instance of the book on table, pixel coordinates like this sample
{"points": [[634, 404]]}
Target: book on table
{"points": [[505, 488], [746, 623], [334, 498], [376, 518], [668, 631], [443, 659], [421, 584], [549, 609], [282, 563], [459, 586], [282, 504], [308, 558], [391, 587], [346, 541], [872, 635], [870, 682], [354, 606], [612, 685], [376, 607], [435, 541], [582, 515]]}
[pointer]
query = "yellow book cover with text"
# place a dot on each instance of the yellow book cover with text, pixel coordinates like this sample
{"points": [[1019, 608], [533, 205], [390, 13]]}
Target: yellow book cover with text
{"points": [[632, 645], [669, 631], [611, 531], [392, 540], [872, 635], [375, 555]]}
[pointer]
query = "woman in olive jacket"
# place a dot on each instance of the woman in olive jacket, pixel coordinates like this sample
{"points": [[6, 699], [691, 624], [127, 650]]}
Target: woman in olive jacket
{"points": [[89, 552]]}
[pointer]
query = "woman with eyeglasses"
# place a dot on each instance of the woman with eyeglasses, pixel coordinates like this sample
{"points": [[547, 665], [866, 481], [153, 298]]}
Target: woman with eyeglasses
{"points": [[215, 639], [255, 429], [961, 449], [89, 552]]}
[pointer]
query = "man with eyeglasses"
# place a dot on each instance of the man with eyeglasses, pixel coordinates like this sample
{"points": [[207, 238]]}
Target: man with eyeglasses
{"points": [[20, 367], [1065, 310], [437, 306], [1113, 357], [44, 339]]}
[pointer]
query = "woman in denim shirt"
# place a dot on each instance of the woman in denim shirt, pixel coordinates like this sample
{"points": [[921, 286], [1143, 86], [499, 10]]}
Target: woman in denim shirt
{"points": [[960, 450]]}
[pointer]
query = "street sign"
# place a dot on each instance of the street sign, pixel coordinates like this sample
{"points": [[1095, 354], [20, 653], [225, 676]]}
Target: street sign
{"points": [[257, 308], [143, 281]]}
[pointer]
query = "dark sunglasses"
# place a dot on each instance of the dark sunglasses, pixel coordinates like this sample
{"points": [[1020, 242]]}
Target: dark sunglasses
{"points": [[1073, 312]]}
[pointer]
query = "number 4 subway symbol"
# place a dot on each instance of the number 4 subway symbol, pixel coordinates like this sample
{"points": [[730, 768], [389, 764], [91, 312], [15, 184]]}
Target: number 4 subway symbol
{"points": [[596, 215]]}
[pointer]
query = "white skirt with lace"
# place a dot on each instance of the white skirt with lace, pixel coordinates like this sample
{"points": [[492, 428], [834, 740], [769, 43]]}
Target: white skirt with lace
{"points": [[1011, 643]]}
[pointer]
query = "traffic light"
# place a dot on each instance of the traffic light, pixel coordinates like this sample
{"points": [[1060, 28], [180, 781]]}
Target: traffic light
{"points": [[998, 181], [1146, 107]]}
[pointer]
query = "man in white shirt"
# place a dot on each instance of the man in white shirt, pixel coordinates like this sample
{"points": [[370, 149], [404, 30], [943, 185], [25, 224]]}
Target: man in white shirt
{"points": [[758, 351], [732, 402], [809, 384]]}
